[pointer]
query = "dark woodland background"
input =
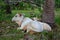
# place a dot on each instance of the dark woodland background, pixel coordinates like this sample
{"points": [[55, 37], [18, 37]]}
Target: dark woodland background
{"points": [[46, 10]]}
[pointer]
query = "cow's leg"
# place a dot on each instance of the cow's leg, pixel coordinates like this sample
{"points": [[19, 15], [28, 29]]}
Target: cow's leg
{"points": [[31, 32]]}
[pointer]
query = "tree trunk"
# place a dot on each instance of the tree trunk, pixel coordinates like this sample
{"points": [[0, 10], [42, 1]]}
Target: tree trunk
{"points": [[48, 15], [8, 8]]}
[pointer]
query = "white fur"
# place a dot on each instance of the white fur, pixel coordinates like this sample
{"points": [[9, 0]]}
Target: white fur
{"points": [[35, 19], [30, 24]]}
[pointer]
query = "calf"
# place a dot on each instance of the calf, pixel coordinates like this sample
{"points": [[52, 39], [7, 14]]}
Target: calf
{"points": [[30, 25]]}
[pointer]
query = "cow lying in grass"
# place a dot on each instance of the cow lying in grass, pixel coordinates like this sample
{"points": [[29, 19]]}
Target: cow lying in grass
{"points": [[30, 25]]}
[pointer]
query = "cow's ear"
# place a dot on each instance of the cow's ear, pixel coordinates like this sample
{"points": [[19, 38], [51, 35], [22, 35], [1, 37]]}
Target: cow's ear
{"points": [[20, 15]]}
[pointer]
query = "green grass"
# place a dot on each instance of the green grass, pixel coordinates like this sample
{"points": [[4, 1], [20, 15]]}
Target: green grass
{"points": [[57, 16], [5, 21], [27, 12]]}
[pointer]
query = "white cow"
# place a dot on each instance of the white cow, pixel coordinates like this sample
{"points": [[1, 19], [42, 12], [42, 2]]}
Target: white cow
{"points": [[35, 18], [28, 24]]}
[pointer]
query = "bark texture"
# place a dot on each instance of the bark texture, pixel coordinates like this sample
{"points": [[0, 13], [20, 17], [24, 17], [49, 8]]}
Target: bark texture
{"points": [[48, 14]]}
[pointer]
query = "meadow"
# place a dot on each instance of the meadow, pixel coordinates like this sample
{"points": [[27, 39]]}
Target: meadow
{"points": [[9, 32]]}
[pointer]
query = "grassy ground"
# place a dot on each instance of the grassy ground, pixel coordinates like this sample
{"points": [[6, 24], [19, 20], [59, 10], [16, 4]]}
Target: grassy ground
{"points": [[8, 29]]}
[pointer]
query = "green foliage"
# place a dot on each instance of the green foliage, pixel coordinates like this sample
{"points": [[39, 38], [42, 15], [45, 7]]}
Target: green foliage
{"points": [[57, 16], [57, 3], [23, 5], [5, 21]]}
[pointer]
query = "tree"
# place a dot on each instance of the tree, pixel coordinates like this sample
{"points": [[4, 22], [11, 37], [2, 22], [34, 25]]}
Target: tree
{"points": [[48, 14], [8, 8]]}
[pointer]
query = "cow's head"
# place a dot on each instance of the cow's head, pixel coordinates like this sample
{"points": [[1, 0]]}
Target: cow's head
{"points": [[18, 18]]}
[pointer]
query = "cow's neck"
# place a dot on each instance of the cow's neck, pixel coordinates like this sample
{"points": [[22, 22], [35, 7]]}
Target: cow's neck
{"points": [[20, 22]]}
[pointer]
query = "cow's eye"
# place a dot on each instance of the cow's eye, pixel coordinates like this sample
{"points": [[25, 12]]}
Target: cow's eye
{"points": [[15, 16]]}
